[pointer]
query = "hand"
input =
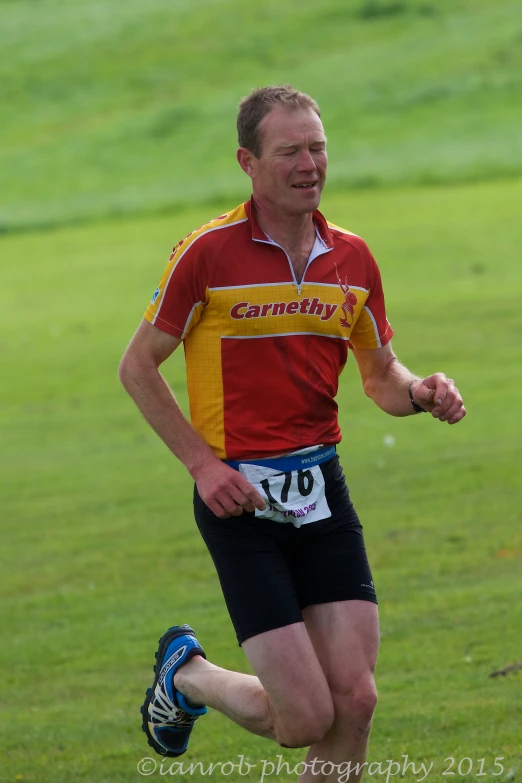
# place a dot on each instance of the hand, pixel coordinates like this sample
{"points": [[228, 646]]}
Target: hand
{"points": [[225, 491], [439, 395]]}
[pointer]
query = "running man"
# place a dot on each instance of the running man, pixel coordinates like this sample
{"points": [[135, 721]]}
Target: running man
{"points": [[268, 299]]}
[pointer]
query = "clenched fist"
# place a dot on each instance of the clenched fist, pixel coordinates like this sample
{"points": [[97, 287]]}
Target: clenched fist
{"points": [[439, 395]]}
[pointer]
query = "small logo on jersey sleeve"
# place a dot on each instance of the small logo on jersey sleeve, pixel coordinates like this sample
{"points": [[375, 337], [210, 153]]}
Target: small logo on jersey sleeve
{"points": [[155, 296]]}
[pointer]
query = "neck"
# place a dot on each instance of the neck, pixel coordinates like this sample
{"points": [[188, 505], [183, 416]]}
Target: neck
{"points": [[289, 231]]}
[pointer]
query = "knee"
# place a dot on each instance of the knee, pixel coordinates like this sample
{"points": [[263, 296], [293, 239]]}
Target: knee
{"points": [[357, 704], [365, 701], [306, 726]]}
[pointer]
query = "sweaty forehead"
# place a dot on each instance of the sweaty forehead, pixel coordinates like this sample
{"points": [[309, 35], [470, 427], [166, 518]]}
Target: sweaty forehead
{"points": [[290, 126]]}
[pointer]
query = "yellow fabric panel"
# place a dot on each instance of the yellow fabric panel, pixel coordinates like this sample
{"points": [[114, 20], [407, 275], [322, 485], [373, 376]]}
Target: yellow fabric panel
{"points": [[339, 228], [205, 384], [251, 318], [203, 345], [364, 335]]}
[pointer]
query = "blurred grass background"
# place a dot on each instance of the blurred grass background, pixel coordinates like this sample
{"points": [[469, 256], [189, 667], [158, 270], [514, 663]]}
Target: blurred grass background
{"points": [[98, 96], [117, 124]]}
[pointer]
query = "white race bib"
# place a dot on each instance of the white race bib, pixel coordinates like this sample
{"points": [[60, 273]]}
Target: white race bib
{"points": [[297, 496]]}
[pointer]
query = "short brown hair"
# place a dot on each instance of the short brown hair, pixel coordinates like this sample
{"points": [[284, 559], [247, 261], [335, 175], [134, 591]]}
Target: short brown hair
{"points": [[256, 106]]}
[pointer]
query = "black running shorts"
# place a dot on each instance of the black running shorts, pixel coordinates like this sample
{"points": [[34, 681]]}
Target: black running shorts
{"points": [[270, 571]]}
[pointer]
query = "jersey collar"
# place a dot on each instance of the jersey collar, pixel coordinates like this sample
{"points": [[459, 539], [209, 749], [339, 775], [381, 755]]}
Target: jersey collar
{"points": [[321, 226]]}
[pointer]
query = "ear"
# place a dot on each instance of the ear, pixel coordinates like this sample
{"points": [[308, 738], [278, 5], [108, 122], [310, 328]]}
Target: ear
{"points": [[246, 160]]}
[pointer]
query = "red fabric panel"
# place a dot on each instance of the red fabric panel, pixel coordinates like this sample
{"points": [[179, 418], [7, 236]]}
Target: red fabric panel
{"points": [[288, 402]]}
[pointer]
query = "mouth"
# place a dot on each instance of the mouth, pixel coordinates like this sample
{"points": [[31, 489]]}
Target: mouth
{"points": [[306, 185]]}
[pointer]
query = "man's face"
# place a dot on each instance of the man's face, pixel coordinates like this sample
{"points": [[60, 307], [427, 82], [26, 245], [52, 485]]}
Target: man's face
{"points": [[291, 170]]}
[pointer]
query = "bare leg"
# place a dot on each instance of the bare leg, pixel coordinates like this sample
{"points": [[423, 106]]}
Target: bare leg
{"points": [[240, 697], [345, 743], [287, 703], [346, 637]]}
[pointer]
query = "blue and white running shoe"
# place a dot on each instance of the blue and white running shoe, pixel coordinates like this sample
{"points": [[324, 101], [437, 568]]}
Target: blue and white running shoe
{"points": [[167, 717]]}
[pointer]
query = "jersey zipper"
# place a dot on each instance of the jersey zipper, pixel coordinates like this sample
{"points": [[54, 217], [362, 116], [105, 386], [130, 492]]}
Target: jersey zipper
{"points": [[298, 286]]}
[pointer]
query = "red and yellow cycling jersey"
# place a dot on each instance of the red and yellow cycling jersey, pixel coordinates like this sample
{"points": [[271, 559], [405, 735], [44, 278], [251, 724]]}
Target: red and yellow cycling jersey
{"points": [[263, 352]]}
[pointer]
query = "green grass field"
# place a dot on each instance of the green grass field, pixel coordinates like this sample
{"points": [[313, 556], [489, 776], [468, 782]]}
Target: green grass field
{"points": [[117, 139], [97, 95], [100, 549]]}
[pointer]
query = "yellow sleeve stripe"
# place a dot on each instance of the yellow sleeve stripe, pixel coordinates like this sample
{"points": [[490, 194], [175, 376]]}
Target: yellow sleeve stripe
{"points": [[343, 230]]}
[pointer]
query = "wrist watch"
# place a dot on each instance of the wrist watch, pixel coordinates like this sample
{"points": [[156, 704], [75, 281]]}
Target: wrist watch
{"points": [[417, 408]]}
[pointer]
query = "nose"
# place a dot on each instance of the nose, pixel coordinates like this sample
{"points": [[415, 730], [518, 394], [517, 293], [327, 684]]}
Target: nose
{"points": [[305, 161]]}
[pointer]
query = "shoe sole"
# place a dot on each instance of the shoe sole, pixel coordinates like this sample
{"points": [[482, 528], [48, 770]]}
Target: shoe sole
{"points": [[182, 630]]}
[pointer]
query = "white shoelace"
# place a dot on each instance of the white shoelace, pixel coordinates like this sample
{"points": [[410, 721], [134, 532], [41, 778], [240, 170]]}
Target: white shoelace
{"points": [[164, 712]]}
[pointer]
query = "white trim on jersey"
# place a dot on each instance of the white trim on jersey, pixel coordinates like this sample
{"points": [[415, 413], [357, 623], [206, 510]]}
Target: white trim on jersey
{"points": [[250, 285], [374, 322], [285, 282], [281, 334], [332, 227], [187, 324]]}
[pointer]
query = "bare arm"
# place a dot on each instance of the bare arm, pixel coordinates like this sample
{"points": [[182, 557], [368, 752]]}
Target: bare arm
{"points": [[385, 380], [223, 489]]}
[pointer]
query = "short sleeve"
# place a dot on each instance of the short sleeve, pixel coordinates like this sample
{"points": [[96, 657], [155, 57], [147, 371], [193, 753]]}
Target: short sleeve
{"points": [[372, 329], [180, 298]]}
